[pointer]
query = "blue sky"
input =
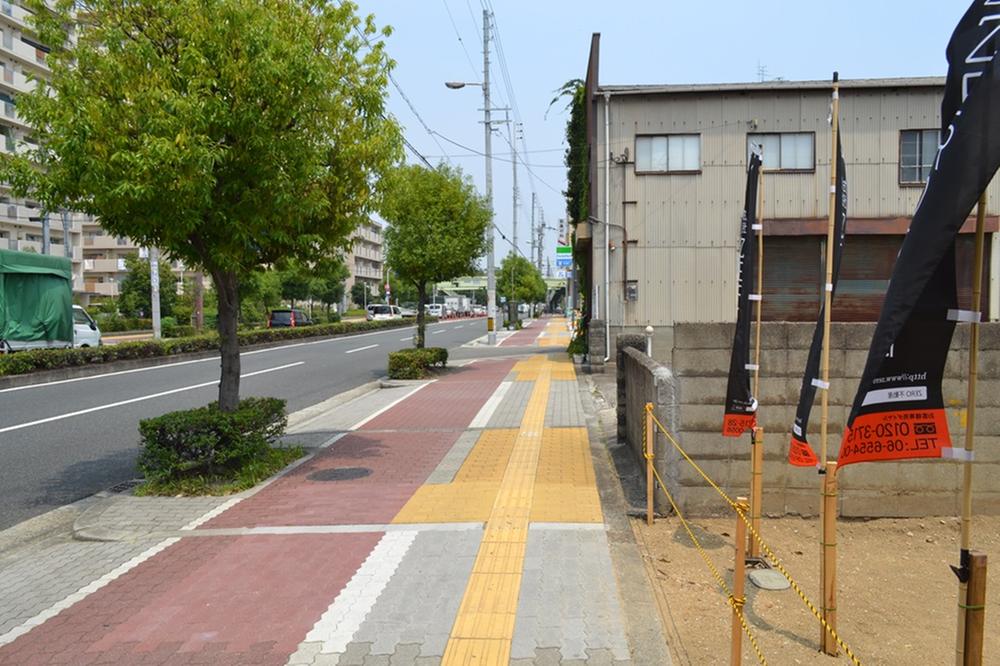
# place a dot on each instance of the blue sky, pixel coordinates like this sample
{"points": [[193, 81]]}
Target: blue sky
{"points": [[673, 41]]}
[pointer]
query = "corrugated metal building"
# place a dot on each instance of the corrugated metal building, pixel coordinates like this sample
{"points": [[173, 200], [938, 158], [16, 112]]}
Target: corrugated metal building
{"points": [[668, 173]]}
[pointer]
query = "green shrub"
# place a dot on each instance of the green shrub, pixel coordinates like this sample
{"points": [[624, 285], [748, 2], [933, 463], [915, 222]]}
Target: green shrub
{"points": [[206, 441], [416, 363], [34, 360]]}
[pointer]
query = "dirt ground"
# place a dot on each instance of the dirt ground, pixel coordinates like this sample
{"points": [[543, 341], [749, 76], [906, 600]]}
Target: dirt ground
{"points": [[896, 600]]}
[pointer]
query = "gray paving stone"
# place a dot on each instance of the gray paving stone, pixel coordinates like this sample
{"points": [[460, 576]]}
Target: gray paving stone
{"points": [[355, 654], [49, 575], [510, 412], [452, 461], [564, 408], [569, 599], [376, 660], [405, 655]]}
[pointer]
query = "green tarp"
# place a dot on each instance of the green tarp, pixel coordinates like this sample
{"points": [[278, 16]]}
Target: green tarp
{"points": [[36, 297]]}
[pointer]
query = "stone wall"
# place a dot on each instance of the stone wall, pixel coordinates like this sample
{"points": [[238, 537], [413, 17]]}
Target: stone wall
{"points": [[700, 363]]}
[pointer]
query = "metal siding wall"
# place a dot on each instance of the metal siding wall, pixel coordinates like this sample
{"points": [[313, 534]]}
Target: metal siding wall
{"points": [[687, 225]]}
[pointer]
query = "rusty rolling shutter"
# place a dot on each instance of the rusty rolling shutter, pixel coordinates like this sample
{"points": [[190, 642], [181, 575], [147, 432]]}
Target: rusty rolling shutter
{"points": [[965, 246], [792, 278], [864, 277]]}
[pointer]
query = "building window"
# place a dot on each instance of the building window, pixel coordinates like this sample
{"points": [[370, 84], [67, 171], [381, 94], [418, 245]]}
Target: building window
{"points": [[8, 38], [668, 154], [788, 151], [917, 149]]}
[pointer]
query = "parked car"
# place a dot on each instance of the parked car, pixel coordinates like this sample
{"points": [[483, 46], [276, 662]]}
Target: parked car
{"points": [[479, 310], [383, 312], [288, 319], [408, 312], [435, 310], [85, 330]]}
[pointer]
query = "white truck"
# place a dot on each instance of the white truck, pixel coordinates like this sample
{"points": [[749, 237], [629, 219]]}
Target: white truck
{"points": [[460, 305]]}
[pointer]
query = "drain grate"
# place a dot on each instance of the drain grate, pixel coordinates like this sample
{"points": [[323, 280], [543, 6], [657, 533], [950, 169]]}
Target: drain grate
{"points": [[339, 474], [124, 486]]}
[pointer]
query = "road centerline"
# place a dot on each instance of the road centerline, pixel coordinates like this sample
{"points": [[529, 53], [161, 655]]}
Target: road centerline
{"points": [[351, 351]]}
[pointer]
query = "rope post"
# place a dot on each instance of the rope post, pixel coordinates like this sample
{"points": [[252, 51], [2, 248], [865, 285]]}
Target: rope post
{"points": [[975, 609], [650, 434], [756, 489], [739, 580], [829, 543]]}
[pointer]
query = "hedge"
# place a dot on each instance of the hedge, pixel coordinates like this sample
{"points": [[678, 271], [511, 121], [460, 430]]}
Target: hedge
{"points": [[206, 441], [416, 363], [24, 362]]}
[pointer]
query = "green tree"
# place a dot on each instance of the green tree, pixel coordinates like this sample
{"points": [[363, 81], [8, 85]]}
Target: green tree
{"points": [[518, 280], [230, 133], [135, 293], [327, 283], [437, 228], [361, 294], [294, 280]]}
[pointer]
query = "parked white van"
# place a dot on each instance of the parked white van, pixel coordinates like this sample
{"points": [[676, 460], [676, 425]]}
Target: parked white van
{"points": [[85, 330]]}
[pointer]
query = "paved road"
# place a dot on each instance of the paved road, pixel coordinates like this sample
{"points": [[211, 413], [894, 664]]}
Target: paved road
{"points": [[66, 440]]}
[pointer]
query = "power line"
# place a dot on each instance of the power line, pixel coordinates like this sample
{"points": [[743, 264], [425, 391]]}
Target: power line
{"points": [[459, 35], [417, 153]]}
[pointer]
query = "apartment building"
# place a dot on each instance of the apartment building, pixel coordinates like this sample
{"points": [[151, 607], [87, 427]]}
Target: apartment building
{"points": [[22, 225], [366, 258], [668, 176]]}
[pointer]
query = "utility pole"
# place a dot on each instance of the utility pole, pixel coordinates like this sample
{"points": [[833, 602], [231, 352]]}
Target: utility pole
{"points": [[46, 249], [67, 245], [531, 235], [491, 278], [154, 284], [541, 238], [513, 163]]}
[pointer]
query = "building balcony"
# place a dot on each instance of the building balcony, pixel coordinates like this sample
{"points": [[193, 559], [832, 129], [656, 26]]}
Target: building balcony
{"points": [[16, 15], [109, 243], [104, 265], [100, 288]]}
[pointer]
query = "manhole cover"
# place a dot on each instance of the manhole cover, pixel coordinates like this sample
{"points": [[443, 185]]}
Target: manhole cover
{"points": [[339, 474], [124, 486], [768, 579]]}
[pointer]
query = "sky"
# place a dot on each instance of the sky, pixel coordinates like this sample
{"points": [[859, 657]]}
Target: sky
{"points": [[545, 43]]}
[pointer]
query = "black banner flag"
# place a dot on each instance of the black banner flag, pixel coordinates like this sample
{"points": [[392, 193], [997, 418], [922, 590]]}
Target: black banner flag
{"points": [[800, 453], [741, 404], [898, 411]]}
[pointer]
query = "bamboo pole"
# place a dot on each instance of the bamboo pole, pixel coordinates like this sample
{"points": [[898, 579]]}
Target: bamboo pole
{"points": [[826, 578], [975, 609], [970, 430], [756, 491], [757, 436], [830, 556], [739, 582], [650, 439]]}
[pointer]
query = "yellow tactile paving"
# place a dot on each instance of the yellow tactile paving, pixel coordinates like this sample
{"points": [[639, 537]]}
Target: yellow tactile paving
{"points": [[528, 370], [470, 497], [556, 334], [484, 626], [565, 487]]}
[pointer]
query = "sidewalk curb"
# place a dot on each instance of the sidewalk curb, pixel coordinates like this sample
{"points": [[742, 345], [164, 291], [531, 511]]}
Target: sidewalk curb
{"points": [[641, 612]]}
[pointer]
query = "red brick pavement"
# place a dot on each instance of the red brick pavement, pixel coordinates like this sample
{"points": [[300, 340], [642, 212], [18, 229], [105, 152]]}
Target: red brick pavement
{"points": [[399, 462], [450, 402], [526, 336], [216, 600]]}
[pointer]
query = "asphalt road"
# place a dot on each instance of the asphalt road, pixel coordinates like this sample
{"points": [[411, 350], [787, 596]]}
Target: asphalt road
{"points": [[65, 440]]}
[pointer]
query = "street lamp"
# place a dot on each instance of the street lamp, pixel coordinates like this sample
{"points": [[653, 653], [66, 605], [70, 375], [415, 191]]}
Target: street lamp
{"points": [[491, 280]]}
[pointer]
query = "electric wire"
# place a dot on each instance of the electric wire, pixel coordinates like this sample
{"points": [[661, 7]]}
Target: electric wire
{"points": [[459, 36]]}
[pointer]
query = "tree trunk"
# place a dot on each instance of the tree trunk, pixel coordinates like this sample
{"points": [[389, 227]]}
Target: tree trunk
{"points": [[421, 301], [199, 301], [228, 289]]}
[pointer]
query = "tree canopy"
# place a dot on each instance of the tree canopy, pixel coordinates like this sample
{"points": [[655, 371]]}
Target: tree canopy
{"points": [[437, 227], [135, 293], [232, 133], [519, 280]]}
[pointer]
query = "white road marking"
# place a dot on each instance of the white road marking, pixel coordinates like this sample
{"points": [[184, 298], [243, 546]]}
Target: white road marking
{"points": [[342, 338], [140, 399], [351, 351], [83, 592], [490, 406], [337, 626], [409, 339], [436, 332], [458, 327], [389, 406]]}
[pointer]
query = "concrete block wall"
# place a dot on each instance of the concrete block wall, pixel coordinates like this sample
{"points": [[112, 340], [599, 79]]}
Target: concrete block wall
{"points": [[698, 371]]}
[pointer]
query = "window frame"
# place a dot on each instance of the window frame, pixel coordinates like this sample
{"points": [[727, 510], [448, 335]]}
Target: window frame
{"points": [[810, 133], [668, 171], [899, 154]]}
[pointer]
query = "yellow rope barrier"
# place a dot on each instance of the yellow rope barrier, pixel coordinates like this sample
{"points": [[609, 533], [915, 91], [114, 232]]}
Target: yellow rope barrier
{"points": [[756, 536]]}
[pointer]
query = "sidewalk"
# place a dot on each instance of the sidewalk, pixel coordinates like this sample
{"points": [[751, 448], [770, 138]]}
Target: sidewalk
{"points": [[456, 521]]}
